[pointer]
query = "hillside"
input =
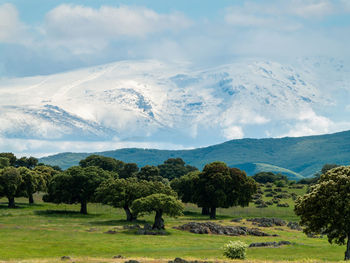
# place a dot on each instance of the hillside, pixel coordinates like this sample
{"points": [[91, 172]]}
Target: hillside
{"points": [[302, 155]]}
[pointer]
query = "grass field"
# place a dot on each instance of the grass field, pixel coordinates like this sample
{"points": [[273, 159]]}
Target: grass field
{"points": [[45, 232]]}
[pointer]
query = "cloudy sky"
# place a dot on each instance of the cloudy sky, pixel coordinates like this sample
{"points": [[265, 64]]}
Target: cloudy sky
{"points": [[46, 36]]}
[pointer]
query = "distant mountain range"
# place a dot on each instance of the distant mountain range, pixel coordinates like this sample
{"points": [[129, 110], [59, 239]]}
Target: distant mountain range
{"points": [[173, 105], [296, 157]]}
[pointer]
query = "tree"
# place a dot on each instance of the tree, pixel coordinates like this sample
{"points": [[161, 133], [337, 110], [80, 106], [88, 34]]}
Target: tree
{"points": [[11, 183], [46, 172], [325, 209], [122, 192], [159, 203], [105, 163], [4, 162], [150, 173], [76, 185], [174, 168], [30, 162], [221, 186], [12, 158], [185, 186], [32, 182], [129, 170]]}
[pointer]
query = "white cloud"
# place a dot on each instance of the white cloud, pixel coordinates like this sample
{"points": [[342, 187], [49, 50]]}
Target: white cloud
{"points": [[10, 25], [233, 132], [311, 8], [86, 26], [41, 148], [309, 123]]}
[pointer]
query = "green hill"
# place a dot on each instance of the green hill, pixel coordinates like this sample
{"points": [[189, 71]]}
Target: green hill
{"points": [[301, 155], [253, 168]]}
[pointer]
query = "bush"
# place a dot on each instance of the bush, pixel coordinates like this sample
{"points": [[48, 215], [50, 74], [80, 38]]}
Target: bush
{"points": [[235, 250]]}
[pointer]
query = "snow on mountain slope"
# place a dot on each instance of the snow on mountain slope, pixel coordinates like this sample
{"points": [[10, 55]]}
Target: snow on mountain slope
{"points": [[172, 104]]}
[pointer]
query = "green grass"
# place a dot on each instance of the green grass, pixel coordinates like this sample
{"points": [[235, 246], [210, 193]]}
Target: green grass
{"points": [[48, 231]]}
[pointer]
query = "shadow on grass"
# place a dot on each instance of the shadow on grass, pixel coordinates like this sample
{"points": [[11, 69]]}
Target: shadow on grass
{"points": [[4, 205], [119, 222], [190, 215], [64, 213]]}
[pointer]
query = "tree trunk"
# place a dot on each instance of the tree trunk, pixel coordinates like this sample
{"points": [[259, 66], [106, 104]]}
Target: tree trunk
{"points": [[83, 207], [129, 216], [11, 202], [158, 221], [213, 213], [347, 252], [31, 199], [205, 211]]}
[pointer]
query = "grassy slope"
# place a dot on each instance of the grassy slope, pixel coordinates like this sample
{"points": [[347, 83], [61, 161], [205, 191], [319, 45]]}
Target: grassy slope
{"points": [[303, 155], [48, 231]]}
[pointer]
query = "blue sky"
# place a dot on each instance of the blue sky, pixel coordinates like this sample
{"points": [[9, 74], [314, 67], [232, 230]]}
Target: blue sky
{"points": [[46, 36]]}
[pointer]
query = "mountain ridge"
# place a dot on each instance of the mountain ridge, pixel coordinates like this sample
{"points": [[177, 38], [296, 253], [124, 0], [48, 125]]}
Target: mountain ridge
{"points": [[150, 102], [302, 155]]}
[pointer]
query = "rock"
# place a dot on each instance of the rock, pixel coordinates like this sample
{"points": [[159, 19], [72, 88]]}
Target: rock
{"points": [[112, 232], [258, 202], [267, 222], [181, 260], [118, 256], [283, 205], [263, 244], [132, 261], [270, 244], [212, 228], [237, 220], [262, 205], [283, 242], [294, 226], [283, 196], [65, 258]]}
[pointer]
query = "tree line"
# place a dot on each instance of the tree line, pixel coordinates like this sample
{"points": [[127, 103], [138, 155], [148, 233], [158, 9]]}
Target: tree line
{"points": [[160, 189]]}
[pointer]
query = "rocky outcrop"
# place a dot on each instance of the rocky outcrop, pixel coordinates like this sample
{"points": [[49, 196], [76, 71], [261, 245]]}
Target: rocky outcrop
{"points": [[270, 244], [267, 222], [212, 228], [294, 226]]}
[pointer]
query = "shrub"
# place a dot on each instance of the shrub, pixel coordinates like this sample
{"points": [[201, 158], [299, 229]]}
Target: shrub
{"points": [[235, 250]]}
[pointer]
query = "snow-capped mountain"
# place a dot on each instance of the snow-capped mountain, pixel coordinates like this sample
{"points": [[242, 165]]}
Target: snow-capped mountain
{"points": [[173, 104]]}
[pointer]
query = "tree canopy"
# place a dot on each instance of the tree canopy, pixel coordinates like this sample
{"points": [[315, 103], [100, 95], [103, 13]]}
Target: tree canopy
{"points": [[76, 185], [326, 208], [11, 185], [159, 203], [122, 192], [221, 186], [105, 163], [174, 168], [32, 182]]}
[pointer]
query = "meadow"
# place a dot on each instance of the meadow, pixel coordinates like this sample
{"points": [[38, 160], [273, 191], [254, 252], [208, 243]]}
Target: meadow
{"points": [[45, 232]]}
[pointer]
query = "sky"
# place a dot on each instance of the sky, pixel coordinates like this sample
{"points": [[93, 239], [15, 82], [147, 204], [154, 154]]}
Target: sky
{"points": [[45, 37], [42, 37]]}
